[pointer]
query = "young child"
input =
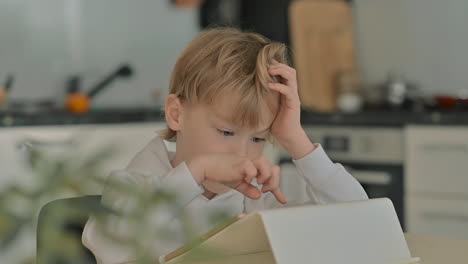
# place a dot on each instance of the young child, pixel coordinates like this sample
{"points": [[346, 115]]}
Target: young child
{"points": [[230, 91]]}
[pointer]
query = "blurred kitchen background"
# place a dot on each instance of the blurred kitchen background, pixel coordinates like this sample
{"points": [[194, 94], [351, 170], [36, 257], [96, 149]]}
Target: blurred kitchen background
{"points": [[383, 84]]}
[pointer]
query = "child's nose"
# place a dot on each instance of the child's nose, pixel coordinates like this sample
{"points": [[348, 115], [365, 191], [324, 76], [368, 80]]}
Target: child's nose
{"points": [[240, 149]]}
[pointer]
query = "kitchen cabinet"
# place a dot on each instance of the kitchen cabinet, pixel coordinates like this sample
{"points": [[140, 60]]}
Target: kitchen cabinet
{"points": [[438, 217], [436, 180], [437, 159], [127, 139]]}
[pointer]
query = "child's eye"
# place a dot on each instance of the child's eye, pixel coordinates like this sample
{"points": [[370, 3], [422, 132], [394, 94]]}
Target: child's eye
{"points": [[258, 140], [226, 133]]}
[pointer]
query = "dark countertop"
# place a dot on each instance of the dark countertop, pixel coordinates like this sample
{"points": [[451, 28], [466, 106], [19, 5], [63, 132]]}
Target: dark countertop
{"points": [[57, 117], [387, 118], [113, 116]]}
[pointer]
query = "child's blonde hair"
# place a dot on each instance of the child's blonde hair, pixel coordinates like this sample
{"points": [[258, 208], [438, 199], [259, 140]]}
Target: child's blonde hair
{"points": [[224, 61]]}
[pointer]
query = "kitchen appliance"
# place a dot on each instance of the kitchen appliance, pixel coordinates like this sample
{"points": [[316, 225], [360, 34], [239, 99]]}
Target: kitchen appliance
{"points": [[373, 155]]}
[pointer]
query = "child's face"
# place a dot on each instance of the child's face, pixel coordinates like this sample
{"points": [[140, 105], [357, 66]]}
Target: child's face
{"points": [[207, 129]]}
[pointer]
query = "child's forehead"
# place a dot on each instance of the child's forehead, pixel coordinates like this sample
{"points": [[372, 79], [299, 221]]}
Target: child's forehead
{"points": [[229, 115], [231, 102], [229, 108]]}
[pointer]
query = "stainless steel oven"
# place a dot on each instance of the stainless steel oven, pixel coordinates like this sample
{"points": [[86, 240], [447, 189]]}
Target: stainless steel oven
{"points": [[373, 155]]}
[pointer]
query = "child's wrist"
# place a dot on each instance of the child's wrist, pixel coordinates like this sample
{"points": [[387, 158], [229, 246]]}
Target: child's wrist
{"points": [[299, 145]]}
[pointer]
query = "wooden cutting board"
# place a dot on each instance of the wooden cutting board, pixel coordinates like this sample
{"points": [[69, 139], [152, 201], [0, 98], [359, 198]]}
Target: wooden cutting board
{"points": [[323, 47]]}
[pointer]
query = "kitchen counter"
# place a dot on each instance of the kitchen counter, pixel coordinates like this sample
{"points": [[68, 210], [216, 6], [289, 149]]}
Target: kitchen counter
{"points": [[365, 118], [435, 250], [57, 117], [387, 118]]}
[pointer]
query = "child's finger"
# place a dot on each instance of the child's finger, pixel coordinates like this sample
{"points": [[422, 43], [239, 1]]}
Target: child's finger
{"points": [[292, 98], [248, 170], [279, 196], [286, 74], [281, 88], [248, 190], [277, 192], [276, 63], [263, 167], [273, 186], [283, 67], [273, 181]]}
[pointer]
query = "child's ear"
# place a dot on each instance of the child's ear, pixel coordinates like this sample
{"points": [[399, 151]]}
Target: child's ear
{"points": [[174, 112]]}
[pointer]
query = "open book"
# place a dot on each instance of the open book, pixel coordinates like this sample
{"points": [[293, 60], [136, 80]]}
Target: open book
{"points": [[364, 232]]}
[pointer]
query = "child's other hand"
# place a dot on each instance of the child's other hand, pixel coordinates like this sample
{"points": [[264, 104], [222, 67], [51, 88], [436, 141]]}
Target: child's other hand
{"points": [[269, 176], [286, 127], [238, 173]]}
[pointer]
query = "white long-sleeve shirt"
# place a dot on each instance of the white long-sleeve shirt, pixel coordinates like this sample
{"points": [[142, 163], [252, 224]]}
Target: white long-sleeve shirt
{"points": [[321, 182]]}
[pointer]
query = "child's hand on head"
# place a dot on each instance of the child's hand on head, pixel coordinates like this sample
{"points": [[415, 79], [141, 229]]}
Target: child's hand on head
{"points": [[238, 173], [286, 127]]}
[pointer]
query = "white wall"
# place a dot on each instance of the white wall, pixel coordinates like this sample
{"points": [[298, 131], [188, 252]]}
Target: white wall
{"points": [[44, 41], [424, 39]]}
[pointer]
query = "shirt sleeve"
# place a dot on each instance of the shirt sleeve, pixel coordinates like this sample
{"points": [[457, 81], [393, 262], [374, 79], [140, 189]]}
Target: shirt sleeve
{"points": [[328, 182], [319, 181], [167, 219]]}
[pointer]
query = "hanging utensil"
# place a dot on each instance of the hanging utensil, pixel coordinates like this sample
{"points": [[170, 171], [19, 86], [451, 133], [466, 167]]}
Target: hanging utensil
{"points": [[6, 88], [79, 102]]}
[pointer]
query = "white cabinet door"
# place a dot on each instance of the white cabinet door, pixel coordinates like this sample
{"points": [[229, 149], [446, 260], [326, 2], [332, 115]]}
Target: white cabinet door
{"points": [[128, 139], [437, 160], [436, 180], [447, 218]]}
